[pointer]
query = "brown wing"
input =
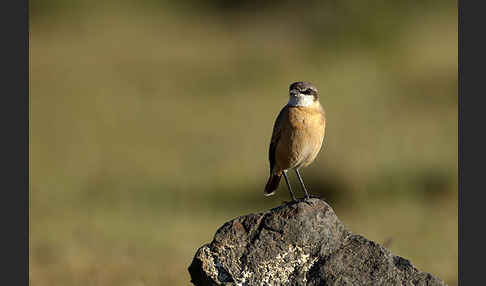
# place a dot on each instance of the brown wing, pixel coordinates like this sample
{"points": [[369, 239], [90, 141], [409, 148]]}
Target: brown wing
{"points": [[277, 128]]}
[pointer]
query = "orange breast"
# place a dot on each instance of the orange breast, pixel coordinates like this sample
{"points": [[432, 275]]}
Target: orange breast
{"points": [[302, 136]]}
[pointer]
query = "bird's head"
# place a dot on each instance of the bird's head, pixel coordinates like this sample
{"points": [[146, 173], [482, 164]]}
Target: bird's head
{"points": [[302, 93]]}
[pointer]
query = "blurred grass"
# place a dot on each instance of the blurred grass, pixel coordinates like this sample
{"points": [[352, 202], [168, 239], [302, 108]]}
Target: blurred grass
{"points": [[150, 127]]}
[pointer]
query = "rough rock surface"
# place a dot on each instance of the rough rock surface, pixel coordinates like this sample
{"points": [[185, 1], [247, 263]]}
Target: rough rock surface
{"points": [[298, 243]]}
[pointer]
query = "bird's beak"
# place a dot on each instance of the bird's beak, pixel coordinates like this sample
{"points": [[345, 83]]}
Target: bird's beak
{"points": [[293, 93]]}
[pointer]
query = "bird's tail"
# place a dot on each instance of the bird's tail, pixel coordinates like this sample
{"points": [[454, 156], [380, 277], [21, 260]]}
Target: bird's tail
{"points": [[272, 184]]}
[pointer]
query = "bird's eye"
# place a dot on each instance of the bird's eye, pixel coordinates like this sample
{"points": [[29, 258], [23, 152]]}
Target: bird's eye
{"points": [[307, 91]]}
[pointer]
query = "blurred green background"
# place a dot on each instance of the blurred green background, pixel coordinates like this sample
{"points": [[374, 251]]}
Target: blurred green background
{"points": [[150, 125]]}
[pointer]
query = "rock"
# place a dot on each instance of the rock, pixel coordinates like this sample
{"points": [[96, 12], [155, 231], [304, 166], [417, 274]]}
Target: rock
{"points": [[298, 243]]}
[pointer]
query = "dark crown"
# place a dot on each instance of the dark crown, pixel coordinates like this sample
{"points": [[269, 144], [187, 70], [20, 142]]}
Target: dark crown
{"points": [[304, 87]]}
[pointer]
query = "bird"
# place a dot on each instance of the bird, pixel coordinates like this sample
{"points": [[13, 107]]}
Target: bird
{"points": [[297, 137]]}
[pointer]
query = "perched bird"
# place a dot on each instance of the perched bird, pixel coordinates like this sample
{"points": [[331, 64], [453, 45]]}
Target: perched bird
{"points": [[297, 136]]}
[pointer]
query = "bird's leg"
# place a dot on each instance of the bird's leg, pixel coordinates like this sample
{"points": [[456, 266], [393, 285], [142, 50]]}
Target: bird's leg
{"points": [[302, 183], [288, 185]]}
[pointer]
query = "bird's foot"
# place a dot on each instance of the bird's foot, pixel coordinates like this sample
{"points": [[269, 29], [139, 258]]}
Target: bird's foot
{"points": [[308, 197]]}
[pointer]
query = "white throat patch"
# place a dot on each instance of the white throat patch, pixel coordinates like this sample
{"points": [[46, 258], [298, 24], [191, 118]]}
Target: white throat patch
{"points": [[301, 100]]}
